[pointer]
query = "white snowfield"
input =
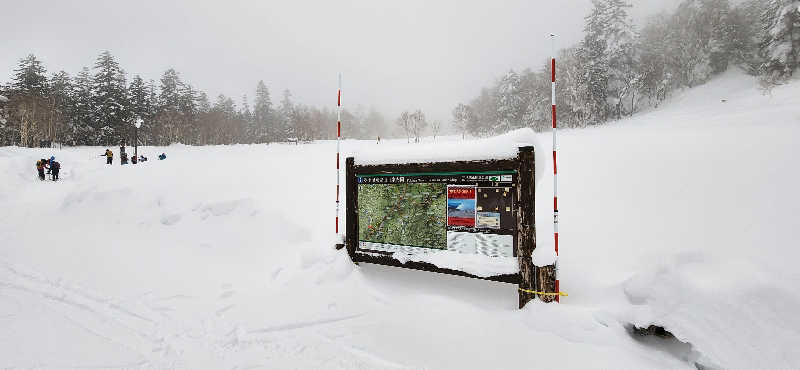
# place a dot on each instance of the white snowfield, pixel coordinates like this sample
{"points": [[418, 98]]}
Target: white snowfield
{"points": [[222, 257]]}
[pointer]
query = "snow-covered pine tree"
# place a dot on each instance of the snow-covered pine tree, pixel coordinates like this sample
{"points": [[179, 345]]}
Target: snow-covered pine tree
{"points": [[319, 126], [302, 122], [746, 35], [248, 126], [653, 67], [141, 107], [30, 93], [484, 109], [223, 117], [699, 39], [83, 128], [262, 114], [139, 97], [30, 77], [717, 15], [110, 98], [570, 94], [168, 112], [374, 123], [188, 129], [780, 47], [284, 125], [535, 93], [510, 104], [61, 103], [619, 49], [356, 127], [592, 55], [350, 124], [205, 122], [462, 114], [7, 132]]}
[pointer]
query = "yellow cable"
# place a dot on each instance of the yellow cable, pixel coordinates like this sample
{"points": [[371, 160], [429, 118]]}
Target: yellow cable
{"points": [[562, 294]]}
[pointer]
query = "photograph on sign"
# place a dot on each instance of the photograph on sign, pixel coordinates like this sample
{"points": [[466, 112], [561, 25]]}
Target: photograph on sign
{"points": [[461, 206], [489, 220], [494, 208], [408, 214]]}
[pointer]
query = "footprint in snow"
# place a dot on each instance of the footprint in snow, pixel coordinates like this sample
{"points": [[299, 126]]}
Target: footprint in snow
{"points": [[222, 310], [226, 294], [170, 219]]}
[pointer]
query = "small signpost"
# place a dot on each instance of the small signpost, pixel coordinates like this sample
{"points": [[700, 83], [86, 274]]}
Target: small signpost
{"points": [[401, 214]]}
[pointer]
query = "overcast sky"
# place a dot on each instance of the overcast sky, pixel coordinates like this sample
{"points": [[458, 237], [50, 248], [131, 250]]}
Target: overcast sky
{"points": [[394, 55]]}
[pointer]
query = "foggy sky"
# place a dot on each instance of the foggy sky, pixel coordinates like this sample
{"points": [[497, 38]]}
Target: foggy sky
{"points": [[394, 55]]}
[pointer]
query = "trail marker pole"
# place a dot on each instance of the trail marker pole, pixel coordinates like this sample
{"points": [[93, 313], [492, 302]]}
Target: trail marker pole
{"points": [[338, 144], [555, 148]]}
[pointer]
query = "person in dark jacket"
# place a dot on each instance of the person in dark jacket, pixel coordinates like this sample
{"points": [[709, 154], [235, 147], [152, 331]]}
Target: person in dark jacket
{"points": [[54, 168], [40, 168], [49, 164], [162, 157], [109, 156]]}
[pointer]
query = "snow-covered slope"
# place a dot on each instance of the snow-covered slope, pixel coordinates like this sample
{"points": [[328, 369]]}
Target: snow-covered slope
{"points": [[221, 257]]}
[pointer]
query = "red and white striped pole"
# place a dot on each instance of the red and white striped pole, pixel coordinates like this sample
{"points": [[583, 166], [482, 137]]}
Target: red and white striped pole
{"points": [[338, 143], [555, 167]]}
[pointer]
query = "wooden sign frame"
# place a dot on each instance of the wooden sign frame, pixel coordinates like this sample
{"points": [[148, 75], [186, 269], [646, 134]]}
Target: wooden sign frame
{"points": [[529, 278]]}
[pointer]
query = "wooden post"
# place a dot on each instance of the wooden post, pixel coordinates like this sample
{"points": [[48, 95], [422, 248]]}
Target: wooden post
{"points": [[526, 226], [546, 282], [351, 208]]}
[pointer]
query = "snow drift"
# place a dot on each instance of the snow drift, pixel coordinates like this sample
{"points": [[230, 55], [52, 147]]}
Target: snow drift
{"points": [[221, 257]]}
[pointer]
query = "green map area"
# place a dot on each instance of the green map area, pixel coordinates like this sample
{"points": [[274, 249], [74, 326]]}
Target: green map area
{"points": [[403, 214]]}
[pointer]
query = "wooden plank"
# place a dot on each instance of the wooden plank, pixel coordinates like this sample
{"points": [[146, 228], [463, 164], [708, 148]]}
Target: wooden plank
{"points": [[424, 266], [483, 165], [546, 282], [351, 208], [526, 226]]}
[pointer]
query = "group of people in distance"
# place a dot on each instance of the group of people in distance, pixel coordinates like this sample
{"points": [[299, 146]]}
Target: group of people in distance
{"points": [[53, 167], [123, 157], [50, 165]]}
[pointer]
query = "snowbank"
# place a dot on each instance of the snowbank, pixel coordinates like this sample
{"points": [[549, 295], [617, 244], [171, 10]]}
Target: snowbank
{"points": [[474, 264], [448, 149], [685, 217], [498, 147]]}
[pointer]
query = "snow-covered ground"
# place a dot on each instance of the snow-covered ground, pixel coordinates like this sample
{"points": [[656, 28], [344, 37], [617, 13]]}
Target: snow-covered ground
{"points": [[222, 258]]}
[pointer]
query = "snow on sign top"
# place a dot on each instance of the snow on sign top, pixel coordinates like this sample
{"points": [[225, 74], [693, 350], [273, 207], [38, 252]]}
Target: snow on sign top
{"points": [[445, 149]]}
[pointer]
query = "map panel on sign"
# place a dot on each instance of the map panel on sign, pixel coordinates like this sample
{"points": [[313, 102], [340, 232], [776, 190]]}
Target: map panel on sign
{"points": [[411, 214]]}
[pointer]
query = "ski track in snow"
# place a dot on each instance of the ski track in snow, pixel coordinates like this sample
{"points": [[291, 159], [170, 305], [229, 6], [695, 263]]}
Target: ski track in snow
{"points": [[154, 338]]}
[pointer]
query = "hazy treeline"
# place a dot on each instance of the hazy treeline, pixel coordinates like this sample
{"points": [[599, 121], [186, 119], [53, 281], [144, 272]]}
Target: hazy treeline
{"points": [[98, 106], [616, 69]]}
